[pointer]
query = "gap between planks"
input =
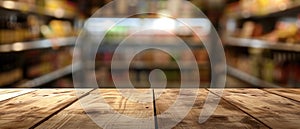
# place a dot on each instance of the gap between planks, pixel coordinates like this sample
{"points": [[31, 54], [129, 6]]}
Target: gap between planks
{"points": [[238, 108], [274, 110], [278, 93], [154, 110], [64, 107], [72, 116]]}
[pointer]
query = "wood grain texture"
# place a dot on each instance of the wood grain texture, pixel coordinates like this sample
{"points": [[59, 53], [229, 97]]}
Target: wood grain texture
{"points": [[239, 108], [289, 93], [11, 93], [29, 109], [225, 116], [273, 110], [75, 117]]}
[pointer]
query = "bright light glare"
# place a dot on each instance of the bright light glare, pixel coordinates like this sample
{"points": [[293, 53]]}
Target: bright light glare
{"points": [[9, 4], [18, 46], [166, 24]]}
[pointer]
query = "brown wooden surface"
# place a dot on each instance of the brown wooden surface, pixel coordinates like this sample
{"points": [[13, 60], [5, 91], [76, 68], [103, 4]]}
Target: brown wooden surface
{"points": [[59, 108], [273, 110], [27, 110], [74, 117], [293, 94], [225, 116]]}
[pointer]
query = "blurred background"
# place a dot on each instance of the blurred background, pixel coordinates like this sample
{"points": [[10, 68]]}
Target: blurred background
{"points": [[261, 40]]}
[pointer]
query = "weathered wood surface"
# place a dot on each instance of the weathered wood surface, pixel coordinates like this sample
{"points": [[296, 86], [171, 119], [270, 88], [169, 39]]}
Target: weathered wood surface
{"points": [[11, 93], [273, 110], [27, 110], [225, 116], [74, 117], [293, 94], [58, 108]]}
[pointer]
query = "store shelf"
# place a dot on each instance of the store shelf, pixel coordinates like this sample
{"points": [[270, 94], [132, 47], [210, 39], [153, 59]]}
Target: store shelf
{"points": [[50, 77], [24, 7], [112, 47], [293, 10], [39, 44], [249, 78], [255, 43], [148, 66]]}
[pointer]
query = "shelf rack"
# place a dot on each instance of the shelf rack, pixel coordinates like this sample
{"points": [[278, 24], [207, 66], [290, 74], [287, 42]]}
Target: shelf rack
{"points": [[50, 76], [112, 47], [39, 44], [249, 78], [148, 66], [256, 43], [23, 7], [294, 9]]}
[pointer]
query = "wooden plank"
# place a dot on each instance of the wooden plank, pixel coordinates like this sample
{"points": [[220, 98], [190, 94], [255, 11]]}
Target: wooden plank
{"points": [[293, 94], [11, 93], [75, 117], [27, 110], [273, 110], [225, 116]]}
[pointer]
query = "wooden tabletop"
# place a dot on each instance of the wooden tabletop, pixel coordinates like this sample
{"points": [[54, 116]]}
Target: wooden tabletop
{"points": [[60, 108]]}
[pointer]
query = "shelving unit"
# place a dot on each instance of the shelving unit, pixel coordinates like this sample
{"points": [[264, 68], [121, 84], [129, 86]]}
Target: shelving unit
{"points": [[256, 43], [143, 63], [249, 78], [39, 44], [278, 56], [284, 12], [112, 47], [50, 76], [148, 65], [23, 7], [29, 28]]}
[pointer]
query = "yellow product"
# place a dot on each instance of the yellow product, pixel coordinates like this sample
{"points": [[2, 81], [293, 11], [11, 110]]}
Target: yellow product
{"points": [[263, 6], [9, 77], [57, 28], [7, 36], [67, 28], [1, 37], [59, 7], [288, 30]]}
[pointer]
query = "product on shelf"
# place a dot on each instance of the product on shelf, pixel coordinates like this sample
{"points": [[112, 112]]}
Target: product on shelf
{"points": [[33, 23], [176, 8], [57, 28], [286, 30], [247, 8], [10, 69], [20, 27], [256, 31], [274, 67], [148, 60], [13, 27], [39, 63]]}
